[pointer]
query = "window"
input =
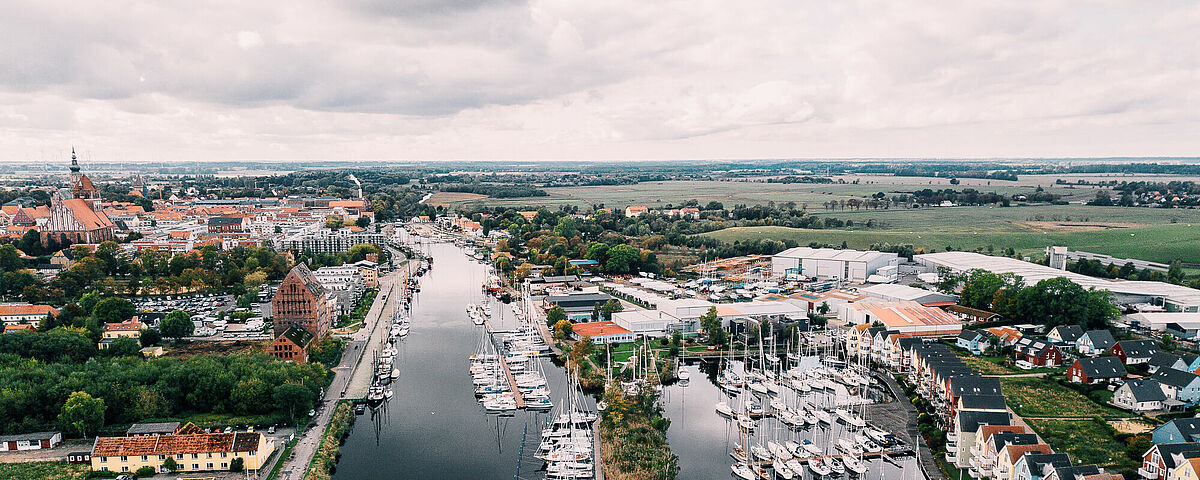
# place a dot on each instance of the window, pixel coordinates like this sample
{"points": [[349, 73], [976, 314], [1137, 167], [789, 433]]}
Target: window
{"points": [[124, 468], [210, 465], [124, 458], [195, 466], [145, 457], [195, 455], [209, 454]]}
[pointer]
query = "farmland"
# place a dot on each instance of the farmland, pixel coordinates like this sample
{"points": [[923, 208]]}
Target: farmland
{"points": [[1162, 243], [42, 470]]}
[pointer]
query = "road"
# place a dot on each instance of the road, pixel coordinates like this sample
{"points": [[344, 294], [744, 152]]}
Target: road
{"points": [[295, 466]]}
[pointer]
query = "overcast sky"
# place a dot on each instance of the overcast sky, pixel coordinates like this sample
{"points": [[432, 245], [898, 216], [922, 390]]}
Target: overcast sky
{"points": [[595, 80]]}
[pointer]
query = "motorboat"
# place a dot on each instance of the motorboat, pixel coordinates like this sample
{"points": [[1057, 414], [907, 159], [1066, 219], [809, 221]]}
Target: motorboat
{"points": [[724, 409], [742, 471], [818, 467]]}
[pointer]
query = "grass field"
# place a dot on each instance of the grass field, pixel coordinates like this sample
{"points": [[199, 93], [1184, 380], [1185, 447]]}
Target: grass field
{"points": [[986, 365], [1086, 441], [1040, 397], [1162, 243], [42, 471]]}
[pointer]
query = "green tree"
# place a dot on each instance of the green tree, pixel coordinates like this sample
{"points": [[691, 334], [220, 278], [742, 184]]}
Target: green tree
{"points": [[292, 398], [169, 464], [113, 310], [176, 325], [82, 413], [1059, 301], [251, 396], [150, 337], [124, 347], [555, 315], [609, 308], [237, 464], [595, 251], [563, 329], [566, 227], [146, 472], [622, 259], [711, 323]]}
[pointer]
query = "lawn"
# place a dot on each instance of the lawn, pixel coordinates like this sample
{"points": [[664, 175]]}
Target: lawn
{"points": [[1041, 397], [1086, 441], [42, 471]]}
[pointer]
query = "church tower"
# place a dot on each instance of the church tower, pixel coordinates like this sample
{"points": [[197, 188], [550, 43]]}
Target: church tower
{"points": [[74, 169], [81, 185]]}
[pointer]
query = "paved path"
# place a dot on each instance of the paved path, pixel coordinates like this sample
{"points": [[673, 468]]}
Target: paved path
{"points": [[927, 460], [295, 466]]}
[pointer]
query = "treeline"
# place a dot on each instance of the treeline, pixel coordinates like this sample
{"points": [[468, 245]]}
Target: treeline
{"points": [[797, 179], [497, 191], [33, 393], [1050, 302], [1095, 268]]}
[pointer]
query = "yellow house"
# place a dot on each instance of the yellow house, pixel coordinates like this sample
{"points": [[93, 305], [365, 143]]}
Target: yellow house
{"points": [[370, 273], [1189, 470], [196, 452], [127, 329]]}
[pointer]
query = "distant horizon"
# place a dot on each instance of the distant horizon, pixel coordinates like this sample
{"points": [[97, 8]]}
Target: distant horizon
{"points": [[542, 163]]}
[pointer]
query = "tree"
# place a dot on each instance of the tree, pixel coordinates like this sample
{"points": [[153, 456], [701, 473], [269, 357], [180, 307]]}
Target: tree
{"points": [[83, 413], [609, 308], [711, 323], [123, 347], [238, 464], [555, 315], [169, 464], [291, 397], [1059, 301], [147, 471], [563, 329], [524, 270], [622, 259], [980, 287], [113, 310], [150, 337], [176, 325]]}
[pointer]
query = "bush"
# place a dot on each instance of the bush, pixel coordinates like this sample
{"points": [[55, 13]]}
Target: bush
{"points": [[100, 474], [146, 472], [237, 465]]}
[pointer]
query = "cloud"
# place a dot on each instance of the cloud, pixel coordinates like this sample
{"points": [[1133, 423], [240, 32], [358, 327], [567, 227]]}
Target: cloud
{"points": [[624, 79]]}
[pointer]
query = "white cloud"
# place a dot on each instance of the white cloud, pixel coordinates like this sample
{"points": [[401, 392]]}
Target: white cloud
{"points": [[623, 79]]}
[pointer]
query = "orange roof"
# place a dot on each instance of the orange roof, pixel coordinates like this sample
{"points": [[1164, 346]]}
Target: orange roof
{"points": [[175, 444], [1015, 452], [126, 326], [347, 204], [85, 183], [6, 310], [529, 214], [40, 211], [83, 213], [10, 209], [17, 327], [595, 329], [986, 431]]}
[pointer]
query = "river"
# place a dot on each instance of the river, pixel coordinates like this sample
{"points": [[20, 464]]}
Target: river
{"points": [[433, 427]]}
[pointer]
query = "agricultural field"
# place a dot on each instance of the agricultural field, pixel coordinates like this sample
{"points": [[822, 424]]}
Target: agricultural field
{"points": [[1041, 397], [1087, 441], [1161, 243], [42, 471], [986, 365]]}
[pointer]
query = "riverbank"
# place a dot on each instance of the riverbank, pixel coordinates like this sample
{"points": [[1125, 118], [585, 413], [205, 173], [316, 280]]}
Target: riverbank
{"points": [[324, 463], [633, 438]]}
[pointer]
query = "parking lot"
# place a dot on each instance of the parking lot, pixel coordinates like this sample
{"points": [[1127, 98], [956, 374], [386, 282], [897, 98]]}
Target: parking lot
{"points": [[204, 309]]}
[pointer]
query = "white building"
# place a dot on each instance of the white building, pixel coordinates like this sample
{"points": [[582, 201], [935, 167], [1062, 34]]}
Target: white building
{"points": [[831, 264], [1172, 298], [649, 323], [344, 282], [325, 241]]}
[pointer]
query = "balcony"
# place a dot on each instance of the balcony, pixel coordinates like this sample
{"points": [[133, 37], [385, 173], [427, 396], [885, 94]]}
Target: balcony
{"points": [[951, 455], [1142, 472]]}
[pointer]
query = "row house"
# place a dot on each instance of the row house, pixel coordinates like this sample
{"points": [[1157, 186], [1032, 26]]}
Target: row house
{"points": [[1008, 462], [965, 430], [1037, 466], [972, 341], [990, 442], [1166, 360], [1065, 334], [1081, 472], [1162, 460]]}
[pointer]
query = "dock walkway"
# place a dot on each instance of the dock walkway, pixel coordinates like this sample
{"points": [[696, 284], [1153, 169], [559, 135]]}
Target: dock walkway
{"points": [[512, 381]]}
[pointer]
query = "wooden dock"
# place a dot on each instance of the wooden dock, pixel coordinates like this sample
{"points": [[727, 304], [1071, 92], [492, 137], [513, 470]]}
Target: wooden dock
{"points": [[512, 381]]}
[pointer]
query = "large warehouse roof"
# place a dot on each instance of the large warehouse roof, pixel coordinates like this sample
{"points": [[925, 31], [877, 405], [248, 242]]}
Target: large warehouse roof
{"points": [[1033, 273], [833, 254]]}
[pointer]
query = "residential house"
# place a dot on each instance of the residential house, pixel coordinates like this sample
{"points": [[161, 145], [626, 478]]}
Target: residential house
{"points": [[25, 314], [983, 453], [1037, 352], [1135, 352], [193, 452], [1010, 456], [30, 441], [1161, 460], [1095, 342], [1166, 360], [1140, 395], [1007, 336], [1081, 472], [1065, 334], [1036, 466], [1096, 370], [79, 458], [966, 427], [1177, 431], [636, 210], [1189, 470], [131, 328], [1178, 385], [971, 341]]}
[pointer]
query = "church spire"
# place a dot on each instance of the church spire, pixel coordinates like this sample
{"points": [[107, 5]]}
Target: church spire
{"points": [[74, 162]]}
